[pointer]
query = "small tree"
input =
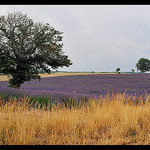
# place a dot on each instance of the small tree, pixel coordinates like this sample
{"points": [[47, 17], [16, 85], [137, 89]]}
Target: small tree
{"points": [[132, 71], [118, 70], [143, 65], [26, 47]]}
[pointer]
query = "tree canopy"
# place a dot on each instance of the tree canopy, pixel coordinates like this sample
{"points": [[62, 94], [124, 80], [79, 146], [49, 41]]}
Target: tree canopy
{"points": [[143, 64], [26, 47], [118, 70]]}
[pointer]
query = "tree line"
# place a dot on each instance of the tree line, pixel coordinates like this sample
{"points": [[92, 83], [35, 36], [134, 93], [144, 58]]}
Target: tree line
{"points": [[143, 65]]}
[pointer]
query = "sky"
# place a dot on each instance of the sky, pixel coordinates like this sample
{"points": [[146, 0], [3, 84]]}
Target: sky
{"points": [[96, 38]]}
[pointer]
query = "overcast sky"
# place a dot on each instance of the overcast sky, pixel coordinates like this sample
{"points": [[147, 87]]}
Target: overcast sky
{"points": [[96, 37]]}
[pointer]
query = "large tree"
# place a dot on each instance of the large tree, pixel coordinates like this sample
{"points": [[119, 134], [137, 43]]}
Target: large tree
{"points": [[143, 64], [26, 47]]}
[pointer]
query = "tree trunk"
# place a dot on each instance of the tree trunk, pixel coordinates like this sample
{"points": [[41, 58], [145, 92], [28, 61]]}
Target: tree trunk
{"points": [[17, 85]]}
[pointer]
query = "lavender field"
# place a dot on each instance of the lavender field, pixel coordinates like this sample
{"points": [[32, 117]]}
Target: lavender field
{"points": [[68, 117], [93, 85]]}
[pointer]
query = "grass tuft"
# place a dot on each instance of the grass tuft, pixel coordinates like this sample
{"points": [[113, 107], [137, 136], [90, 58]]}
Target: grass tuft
{"points": [[118, 119]]}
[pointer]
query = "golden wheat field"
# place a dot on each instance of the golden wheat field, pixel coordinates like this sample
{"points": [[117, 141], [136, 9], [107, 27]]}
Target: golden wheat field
{"points": [[116, 120]]}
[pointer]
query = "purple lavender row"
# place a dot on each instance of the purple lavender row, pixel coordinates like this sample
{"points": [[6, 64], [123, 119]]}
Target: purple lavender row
{"points": [[84, 85]]}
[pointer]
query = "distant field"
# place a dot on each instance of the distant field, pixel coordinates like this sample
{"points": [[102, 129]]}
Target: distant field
{"points": [[83, 85], [5, 78]]}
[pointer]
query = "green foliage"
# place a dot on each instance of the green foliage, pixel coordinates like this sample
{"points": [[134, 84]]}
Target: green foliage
{"points": [[49, 102], [117, 70], [132, 70], [26, 47], [143, 65]]}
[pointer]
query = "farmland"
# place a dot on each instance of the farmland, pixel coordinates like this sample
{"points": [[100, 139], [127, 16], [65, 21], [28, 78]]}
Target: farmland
{"points": [[89, 85], [115, 120], [89, 109]]}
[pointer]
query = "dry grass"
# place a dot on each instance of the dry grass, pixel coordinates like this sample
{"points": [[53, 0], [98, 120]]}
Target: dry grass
{"points": [[69, 74], [3, 78], [114, 121]]}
